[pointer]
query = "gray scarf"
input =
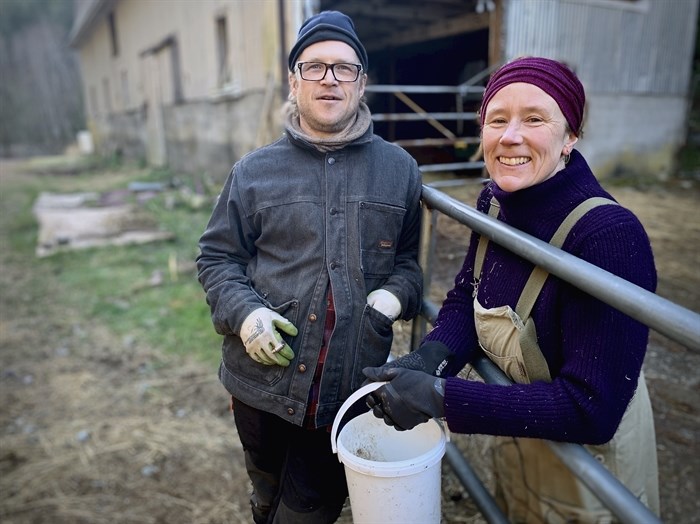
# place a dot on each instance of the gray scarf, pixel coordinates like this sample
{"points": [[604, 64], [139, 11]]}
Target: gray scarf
{"points": [[352, 132]]}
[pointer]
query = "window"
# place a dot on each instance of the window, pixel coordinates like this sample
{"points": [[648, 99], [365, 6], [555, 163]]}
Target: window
{"points": [[222, 51], [113, 33], [641, 6], [125, 89], [107, 96], [94, 108]]}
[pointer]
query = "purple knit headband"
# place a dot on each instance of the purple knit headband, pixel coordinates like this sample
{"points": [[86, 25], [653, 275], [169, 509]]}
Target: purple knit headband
{"points": [[554, 78]]}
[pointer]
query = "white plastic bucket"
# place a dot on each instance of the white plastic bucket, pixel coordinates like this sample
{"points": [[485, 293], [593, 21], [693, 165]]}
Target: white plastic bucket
{"points": [[393, 476]]}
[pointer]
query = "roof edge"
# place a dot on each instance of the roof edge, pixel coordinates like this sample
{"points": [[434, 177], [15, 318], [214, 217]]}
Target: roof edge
{"points": [[86, 19]]}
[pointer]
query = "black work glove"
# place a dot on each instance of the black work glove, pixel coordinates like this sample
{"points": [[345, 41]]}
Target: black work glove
{"points": [[410, 398], [431, 358]]}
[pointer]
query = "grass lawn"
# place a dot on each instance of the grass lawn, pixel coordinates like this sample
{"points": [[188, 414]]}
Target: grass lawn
{"points": [[148, 294]]}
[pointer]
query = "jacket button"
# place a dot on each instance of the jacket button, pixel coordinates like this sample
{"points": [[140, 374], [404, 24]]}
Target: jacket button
{"points": [[302, 368], [333, 265], [334, 211], [290, 411], [331, 160], [312, 317]]}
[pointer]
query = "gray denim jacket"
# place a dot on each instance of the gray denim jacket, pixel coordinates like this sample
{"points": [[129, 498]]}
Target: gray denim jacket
{"points": [[290, 221]]}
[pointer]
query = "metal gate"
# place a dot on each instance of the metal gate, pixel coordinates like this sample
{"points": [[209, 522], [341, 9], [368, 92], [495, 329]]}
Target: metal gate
{"points": [[665, 317]]}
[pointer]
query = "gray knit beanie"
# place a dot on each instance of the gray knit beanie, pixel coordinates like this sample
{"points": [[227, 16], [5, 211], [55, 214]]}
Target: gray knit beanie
{"points": [[327, 25]]}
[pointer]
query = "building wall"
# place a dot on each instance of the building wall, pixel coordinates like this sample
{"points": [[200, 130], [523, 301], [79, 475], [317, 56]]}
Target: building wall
{"points": [[632, 135], [634, 58], [170, 105], [166, 96], [209, 136]]}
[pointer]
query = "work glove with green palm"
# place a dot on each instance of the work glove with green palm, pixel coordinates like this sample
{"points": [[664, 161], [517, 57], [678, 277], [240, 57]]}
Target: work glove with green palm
{"points": [[262, 340]]}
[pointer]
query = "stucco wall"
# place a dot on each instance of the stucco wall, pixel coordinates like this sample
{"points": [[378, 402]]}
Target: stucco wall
{"points": [[121, 134], [633, 135], [635, 61], [210, 137], [200, 136], [167, 64]]}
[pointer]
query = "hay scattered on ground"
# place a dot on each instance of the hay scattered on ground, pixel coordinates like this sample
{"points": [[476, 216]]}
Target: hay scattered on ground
{"points": [[124, 436]]}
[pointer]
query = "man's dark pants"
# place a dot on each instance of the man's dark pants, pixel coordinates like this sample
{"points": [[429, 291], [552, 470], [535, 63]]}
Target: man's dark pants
{"points": [[297, 479]]}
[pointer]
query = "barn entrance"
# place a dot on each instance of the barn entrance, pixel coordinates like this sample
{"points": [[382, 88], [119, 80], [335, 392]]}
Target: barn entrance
{"points": [[428, 63]]}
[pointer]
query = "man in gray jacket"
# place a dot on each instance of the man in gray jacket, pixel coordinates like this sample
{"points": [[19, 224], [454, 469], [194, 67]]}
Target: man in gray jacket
{"points": [[309, 257]]}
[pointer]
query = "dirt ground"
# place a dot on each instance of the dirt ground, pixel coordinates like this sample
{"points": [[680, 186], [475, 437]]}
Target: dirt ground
{"points": [[94, 429]]}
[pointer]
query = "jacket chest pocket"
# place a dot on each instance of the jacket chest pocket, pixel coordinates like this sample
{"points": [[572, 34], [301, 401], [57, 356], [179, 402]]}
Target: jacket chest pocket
{"points": [[380, 230]]}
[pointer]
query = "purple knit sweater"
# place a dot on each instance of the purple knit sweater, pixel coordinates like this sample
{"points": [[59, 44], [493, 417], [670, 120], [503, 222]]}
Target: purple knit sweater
{"points": [[594, 352]]}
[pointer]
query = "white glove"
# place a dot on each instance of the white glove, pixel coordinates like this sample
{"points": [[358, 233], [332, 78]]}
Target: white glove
{"points": [[385, 302], [262, 341]]}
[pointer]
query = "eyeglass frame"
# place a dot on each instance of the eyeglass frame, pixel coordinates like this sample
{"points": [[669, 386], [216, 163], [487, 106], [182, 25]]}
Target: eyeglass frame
{"points": [[332, 68]]}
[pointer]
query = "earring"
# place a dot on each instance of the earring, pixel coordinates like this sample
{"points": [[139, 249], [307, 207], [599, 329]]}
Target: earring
{"points": [[567, 157]]}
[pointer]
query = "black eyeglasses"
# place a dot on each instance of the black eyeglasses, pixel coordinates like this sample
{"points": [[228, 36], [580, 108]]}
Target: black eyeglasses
{"points": [[315, 71]]}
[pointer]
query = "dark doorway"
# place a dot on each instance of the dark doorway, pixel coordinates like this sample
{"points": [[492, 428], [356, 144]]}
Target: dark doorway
{"points": [[447, 61]]}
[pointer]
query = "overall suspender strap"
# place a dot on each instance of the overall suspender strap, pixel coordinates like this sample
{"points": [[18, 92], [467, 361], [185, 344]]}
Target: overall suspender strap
{"points": [[494, 206], [538, 276], [533, 359]]}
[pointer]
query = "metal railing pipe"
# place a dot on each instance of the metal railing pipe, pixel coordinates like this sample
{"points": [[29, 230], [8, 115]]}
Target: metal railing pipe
{"points": [[611, 492], [477, 491], [454, 166], [465, 473], [426, 253], [600, 481], [426, 89], [670, 319], [417, 117]]}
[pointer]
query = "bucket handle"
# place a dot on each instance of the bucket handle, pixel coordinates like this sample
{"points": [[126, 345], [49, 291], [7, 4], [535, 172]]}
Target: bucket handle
{"points": [[362, 392]]}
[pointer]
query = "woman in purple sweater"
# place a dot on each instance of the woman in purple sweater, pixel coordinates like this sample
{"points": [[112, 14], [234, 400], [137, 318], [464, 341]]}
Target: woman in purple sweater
{"points": [[576, 362]]}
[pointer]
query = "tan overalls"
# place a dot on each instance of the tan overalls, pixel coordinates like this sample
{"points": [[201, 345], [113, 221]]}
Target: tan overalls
{"points": [[533, 485]]}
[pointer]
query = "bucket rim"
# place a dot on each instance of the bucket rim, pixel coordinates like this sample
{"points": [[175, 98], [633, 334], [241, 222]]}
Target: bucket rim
{"points": [[396, 468], [363, 391]]}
